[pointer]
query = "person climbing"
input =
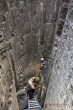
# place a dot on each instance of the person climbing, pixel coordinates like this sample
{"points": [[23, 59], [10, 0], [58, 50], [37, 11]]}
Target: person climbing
{"points": [[43, 63], [32, 85]]}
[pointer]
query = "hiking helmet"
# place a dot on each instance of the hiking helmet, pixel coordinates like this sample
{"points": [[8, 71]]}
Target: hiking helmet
{"points": [[37, 79], [42, 59]]}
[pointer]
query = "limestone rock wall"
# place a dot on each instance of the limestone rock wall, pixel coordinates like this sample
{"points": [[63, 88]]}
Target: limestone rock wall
{"points": [[28, 29], [20, 32], [60, 91], [8, 100], [32, 29]]}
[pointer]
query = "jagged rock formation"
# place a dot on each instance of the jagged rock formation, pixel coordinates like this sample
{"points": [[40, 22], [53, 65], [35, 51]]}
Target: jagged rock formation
{"points": [[32, 29], [28, 28], [25, 25], [60, 89], [8, 100]]}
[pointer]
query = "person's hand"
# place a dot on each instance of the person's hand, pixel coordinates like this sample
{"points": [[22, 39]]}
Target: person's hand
{"points": [[39, 85]]}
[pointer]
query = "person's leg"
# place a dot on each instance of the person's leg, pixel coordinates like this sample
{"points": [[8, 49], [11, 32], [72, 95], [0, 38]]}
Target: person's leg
{"points": [[30, 93], [41, 67], [33, 90]]}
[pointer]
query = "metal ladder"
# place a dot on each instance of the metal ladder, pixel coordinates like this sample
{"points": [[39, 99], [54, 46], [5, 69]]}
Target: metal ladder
{"points": [[34, 104]]}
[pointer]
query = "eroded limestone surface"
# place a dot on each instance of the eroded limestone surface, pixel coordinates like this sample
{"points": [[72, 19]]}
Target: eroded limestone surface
{"points": [[8, 100], [29, 30], [60, 89]]}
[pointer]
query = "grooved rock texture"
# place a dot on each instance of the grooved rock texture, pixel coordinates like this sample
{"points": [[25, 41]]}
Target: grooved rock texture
{"points": [[8, 100], [60, 90], [28, 27], [29, 30]]}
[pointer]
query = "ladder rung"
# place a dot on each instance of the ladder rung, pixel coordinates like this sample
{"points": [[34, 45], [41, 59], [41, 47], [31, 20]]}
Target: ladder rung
{"points": [[33, 101], [34, 107], [33, 104]]}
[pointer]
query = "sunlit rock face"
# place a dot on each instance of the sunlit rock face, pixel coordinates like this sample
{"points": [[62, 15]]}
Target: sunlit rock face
{"points": [[8, 100], [60, 89]]}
